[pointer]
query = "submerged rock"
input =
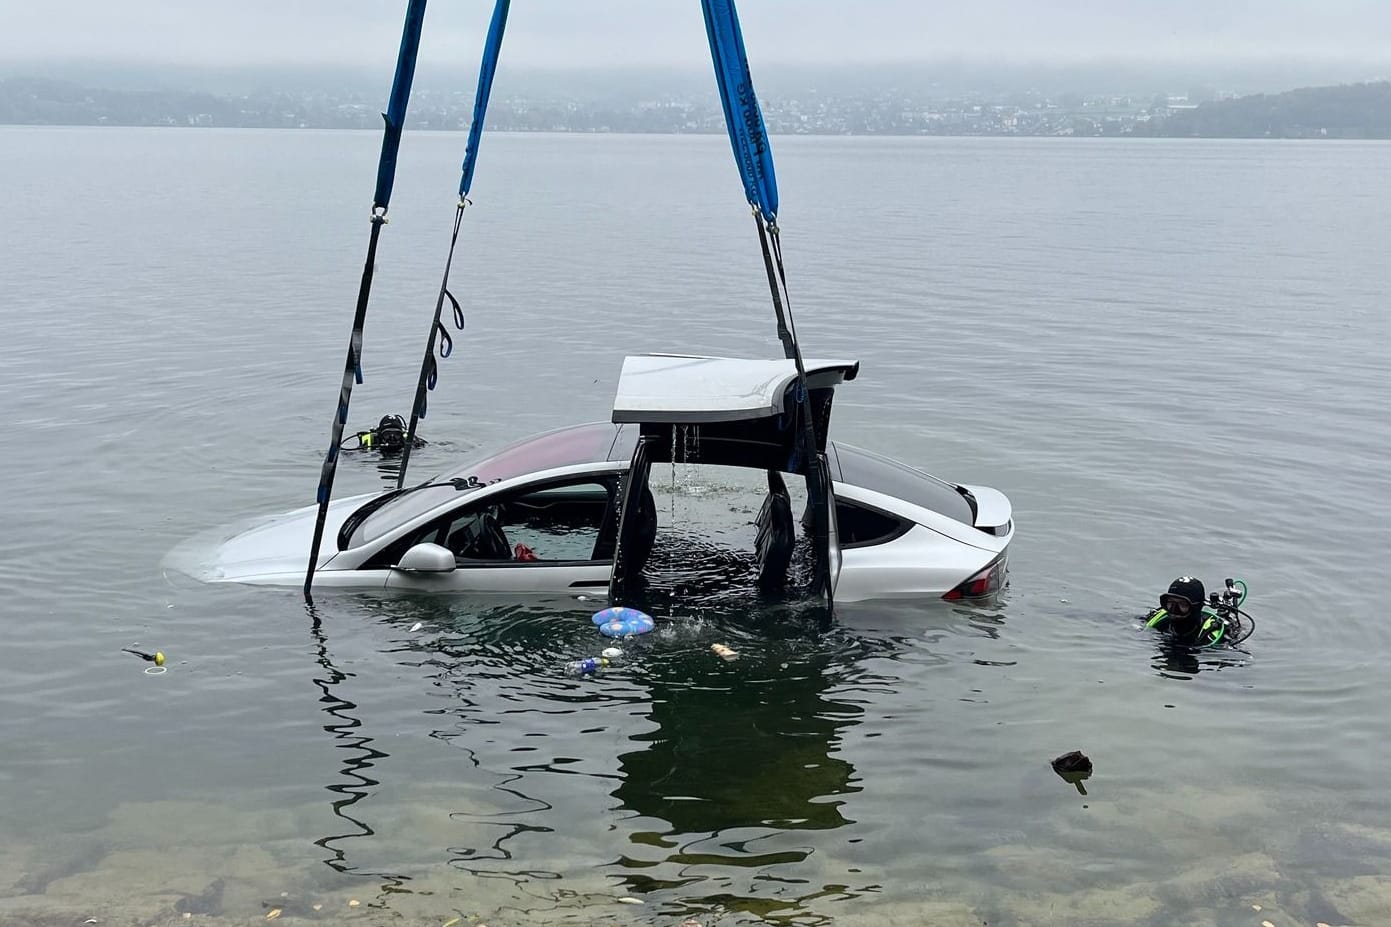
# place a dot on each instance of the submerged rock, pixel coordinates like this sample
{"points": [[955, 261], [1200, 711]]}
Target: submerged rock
{"points": [[1365, 899], [208, 901]]}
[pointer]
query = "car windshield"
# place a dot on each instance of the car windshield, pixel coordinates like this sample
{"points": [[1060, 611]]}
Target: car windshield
{"points": [[566, 446]]}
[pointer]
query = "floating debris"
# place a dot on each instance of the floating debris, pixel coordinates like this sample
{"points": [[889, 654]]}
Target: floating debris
{"points": [[1255, 907], [629, 899], [611, 653], [317, 907], [157, 658], [1074, 762], [586, 666], [354, 903], [724, 652], [1267, 924], [451, 922], [1074, 768], [272, 914], [417, 626], [621, 621]]}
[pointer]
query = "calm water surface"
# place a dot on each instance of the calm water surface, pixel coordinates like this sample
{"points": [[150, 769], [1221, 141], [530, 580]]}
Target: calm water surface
{"points": [[1169, 354]]}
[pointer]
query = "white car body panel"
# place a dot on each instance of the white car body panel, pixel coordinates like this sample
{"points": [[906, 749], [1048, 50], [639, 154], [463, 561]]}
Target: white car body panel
{"points": [[573, 577], [692, 388], [931, 558]]}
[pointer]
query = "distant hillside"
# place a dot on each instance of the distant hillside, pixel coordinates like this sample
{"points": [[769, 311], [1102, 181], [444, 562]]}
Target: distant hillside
{"points": [[1348, 111], [38, 101]]}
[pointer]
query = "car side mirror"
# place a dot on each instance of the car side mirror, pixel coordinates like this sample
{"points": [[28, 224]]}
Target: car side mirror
{"points": [[427, 558]]}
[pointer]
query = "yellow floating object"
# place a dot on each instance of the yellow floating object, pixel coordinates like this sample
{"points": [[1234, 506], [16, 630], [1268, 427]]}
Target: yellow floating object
{"points": [[272, 914], [159, 658], [354, 903], [452, 921]]}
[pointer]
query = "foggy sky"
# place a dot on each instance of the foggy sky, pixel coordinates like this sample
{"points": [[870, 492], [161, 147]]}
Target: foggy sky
{"points": [[647, 33]]}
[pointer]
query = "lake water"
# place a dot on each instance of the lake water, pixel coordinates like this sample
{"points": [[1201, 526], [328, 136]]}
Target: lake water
{"points": [[1169, 354]]}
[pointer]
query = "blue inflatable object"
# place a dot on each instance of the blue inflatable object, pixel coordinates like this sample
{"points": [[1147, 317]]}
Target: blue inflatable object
{"points": [[623, 622], [619, 613]]}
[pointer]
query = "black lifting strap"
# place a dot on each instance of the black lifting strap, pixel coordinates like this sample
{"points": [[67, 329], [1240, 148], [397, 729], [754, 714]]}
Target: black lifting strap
{"points": [[789, 344], [817, 474], [352, 372], [429, 367]]}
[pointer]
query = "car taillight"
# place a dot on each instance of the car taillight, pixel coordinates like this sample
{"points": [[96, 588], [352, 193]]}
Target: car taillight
{"points": [[987, 582]]}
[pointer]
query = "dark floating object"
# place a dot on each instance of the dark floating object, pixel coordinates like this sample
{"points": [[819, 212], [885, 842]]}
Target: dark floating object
{"points": [[1073, 767], [1074, 762]]}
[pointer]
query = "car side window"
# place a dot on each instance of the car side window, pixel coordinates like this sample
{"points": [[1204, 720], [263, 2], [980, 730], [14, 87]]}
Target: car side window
{"points": [[564, 521], [859, 525], [560, 522]]}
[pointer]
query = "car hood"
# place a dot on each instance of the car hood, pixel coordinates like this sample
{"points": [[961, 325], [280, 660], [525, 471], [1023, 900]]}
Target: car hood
{"points": [[262, 548]]}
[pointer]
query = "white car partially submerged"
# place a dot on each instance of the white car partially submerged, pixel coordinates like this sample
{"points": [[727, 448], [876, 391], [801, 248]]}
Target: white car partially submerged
{"points": [[546, 514]]}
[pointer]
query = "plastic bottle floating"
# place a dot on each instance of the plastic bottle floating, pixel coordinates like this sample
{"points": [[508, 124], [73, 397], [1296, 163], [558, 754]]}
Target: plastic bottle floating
{"points": [[586, 666], [623, 622]]}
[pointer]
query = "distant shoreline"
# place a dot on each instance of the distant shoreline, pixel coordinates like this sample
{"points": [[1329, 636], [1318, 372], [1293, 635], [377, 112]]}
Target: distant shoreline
{"points": [[704, 134], [1350, 111]]}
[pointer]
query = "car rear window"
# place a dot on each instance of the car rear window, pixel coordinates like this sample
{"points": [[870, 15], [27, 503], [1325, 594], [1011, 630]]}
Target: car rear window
{"points": [[860, 467]]}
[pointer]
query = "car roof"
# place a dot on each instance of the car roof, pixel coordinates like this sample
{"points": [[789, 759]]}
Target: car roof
{"points": [[590, 442]]}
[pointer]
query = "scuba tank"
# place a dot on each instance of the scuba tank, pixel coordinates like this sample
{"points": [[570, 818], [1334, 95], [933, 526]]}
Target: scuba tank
{"points": [[1226, 605]]}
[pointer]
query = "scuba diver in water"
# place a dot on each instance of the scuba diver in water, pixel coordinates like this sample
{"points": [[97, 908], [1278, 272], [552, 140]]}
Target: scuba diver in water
{"points": [[1193, 618], [389, 437]]}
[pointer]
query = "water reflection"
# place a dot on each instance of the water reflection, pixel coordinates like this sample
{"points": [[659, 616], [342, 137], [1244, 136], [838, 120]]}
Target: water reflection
{"points": [[1174, 659], [743, 757], [361, 757], [714, 772], [745, 744]]}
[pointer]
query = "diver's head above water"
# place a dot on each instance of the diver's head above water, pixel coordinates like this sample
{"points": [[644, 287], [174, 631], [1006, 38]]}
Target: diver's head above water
{"points": [[1184, 600]]}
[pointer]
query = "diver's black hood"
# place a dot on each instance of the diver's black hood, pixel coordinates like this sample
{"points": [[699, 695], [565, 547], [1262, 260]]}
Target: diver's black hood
{"points": [[1187, 588]]}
